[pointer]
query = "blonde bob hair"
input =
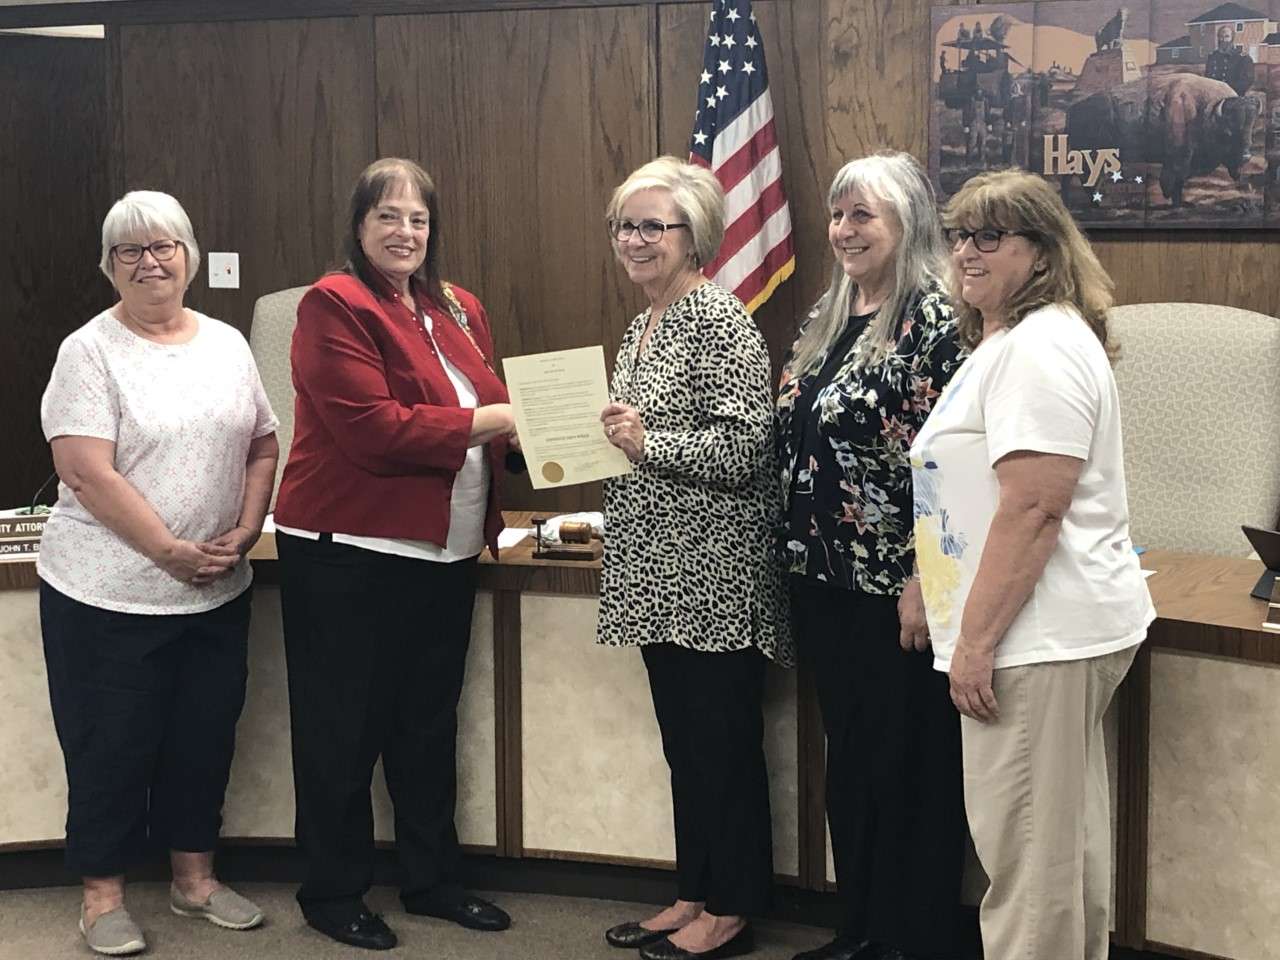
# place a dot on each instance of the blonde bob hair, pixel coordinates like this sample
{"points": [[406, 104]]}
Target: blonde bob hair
{"points": [[897, 181], [143, 214], [696, 193], [1071, 275]]}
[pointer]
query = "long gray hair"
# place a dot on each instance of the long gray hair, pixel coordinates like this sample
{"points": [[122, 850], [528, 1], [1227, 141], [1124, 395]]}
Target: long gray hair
{"points": [[921, 261]]}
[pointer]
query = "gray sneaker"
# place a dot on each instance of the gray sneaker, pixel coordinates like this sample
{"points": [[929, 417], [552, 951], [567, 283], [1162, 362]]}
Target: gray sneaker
{"points": [[114, 933], [224, 907]]}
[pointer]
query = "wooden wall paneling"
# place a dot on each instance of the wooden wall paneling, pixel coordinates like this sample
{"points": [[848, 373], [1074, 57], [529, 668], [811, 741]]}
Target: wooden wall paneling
{"points": [[259, 129], [171, 11], [527, 120], [682, 30], [54, 193], [1237, 268], [793, 43], [877, 60]]}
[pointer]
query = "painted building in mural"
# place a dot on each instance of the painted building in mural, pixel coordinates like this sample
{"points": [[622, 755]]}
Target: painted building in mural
{"points": [[1247, 29]]}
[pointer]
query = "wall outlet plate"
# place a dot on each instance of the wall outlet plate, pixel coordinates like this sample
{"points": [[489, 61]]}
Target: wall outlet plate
{"points": [[224, 270]]}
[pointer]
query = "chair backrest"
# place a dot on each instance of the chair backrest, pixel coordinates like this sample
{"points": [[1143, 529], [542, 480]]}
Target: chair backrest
{"points": [[1200, 401], [274, 317]]}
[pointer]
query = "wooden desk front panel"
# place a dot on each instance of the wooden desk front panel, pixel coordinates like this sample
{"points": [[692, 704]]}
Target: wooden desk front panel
{"points": [[1214, 806], [595, 784], [259, 803]]}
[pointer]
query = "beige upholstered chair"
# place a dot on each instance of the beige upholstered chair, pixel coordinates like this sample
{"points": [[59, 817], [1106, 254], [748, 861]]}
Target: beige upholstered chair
{"points": [[1200, 401], [270, 337]]}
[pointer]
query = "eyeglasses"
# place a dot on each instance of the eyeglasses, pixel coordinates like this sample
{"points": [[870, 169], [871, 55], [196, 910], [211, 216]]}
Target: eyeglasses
{"points": [[987, 240], [132, 252], [651, 231]]}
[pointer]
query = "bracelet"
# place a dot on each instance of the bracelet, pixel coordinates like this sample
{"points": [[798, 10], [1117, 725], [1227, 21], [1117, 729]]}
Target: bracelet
{"points": [[915, 575]]}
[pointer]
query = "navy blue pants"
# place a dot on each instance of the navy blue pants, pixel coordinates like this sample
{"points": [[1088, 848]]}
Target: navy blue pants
{"points": [[145, 708]]}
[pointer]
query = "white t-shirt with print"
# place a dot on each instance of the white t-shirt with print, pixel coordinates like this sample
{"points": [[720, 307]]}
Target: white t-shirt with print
{"points": [[1045, 386], [182, 417]]}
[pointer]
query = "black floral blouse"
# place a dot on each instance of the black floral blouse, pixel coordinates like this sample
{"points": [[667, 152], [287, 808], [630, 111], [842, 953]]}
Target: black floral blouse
{"points": [[849, 505]]}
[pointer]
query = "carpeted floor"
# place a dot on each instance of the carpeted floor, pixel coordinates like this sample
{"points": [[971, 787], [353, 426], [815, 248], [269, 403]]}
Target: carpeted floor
{"points": [[41, 925]]}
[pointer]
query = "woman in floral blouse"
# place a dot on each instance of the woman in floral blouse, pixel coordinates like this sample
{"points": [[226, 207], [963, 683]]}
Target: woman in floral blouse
{"points": [[861, 378]]}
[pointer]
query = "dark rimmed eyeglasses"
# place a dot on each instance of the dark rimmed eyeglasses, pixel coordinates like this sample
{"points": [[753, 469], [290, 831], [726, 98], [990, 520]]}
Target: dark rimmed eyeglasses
{"points": [[651, 231], [987, 240], [132, 252]]}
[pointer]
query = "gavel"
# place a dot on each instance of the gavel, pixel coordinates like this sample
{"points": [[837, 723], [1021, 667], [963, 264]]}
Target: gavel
{"points": [[576, 531]]}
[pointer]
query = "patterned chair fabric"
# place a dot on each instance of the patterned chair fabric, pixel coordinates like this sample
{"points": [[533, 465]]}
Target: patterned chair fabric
{"points": [[1200, 403], [270, 337]]}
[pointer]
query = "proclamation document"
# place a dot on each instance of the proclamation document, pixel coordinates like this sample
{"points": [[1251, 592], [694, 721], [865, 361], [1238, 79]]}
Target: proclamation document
{"points": [[557, 398]]}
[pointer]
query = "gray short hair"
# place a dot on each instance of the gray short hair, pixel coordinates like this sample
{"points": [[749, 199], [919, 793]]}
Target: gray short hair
{"points": [[697, 195], [146, 213]]}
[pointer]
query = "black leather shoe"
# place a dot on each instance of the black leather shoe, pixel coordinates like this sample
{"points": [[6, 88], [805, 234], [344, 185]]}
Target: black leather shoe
{"points": [[462, 908], [359, 929], [842, 948], [744, 941], [630, 935]]}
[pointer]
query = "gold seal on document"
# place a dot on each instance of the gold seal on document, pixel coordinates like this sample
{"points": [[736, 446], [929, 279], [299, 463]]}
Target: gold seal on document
{"points": [[552, 472]]}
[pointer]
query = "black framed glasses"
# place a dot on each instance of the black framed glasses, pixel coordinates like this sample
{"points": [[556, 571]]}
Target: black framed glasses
{"points": [[132, 252], [987, 239], [651, 231]]}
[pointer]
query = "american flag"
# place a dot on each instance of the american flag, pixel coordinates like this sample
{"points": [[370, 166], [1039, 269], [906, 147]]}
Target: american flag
{"points": [[734, 136]]}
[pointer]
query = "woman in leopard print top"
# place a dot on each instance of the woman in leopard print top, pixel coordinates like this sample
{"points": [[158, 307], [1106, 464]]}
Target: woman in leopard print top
{"points": [[688, 572]]}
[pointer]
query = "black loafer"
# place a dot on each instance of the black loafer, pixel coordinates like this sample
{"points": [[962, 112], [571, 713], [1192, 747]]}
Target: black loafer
{"points": [[842, 948], [744, 941], [630, 935], [463, 909], [361, 929]]}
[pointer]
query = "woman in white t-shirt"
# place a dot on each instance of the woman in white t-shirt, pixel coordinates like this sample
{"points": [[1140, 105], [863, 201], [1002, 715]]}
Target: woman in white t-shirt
{"points": [[1035, 599], [165, 445]]}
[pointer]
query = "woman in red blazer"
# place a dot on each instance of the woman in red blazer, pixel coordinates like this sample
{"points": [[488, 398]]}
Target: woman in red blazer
{"points": [[389, 495]]}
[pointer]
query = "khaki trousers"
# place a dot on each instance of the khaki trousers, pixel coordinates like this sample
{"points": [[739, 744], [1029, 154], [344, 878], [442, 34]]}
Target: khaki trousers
{"points": [[1035, 790]]}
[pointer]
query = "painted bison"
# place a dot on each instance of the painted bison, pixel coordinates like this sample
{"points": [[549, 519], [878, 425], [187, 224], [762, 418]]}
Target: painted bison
{"points": [[1188, 123]]}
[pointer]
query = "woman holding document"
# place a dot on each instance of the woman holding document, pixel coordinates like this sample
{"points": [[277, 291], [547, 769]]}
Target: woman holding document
{"points": [[389, 495], [688, 574]]}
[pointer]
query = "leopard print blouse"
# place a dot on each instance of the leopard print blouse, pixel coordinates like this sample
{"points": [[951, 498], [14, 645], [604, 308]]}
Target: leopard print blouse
{"points": [[688, 532]]}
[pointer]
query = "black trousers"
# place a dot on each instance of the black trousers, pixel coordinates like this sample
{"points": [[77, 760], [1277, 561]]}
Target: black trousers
{"points": [[895, 787], [709, 710], [145, 707], [376, 647]]}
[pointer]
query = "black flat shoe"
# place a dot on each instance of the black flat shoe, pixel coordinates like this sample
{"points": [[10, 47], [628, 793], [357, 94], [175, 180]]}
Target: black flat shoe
{"points": [[464, 909], [630, 935], [842, 948], [744, 941], [361, 929]]}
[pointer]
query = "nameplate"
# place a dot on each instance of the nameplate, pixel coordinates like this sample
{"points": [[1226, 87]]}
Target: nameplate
{"points": [[20, 538]]}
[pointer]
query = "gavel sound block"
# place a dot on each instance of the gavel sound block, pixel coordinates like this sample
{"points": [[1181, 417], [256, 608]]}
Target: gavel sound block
{"points": [[577, 542]]}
